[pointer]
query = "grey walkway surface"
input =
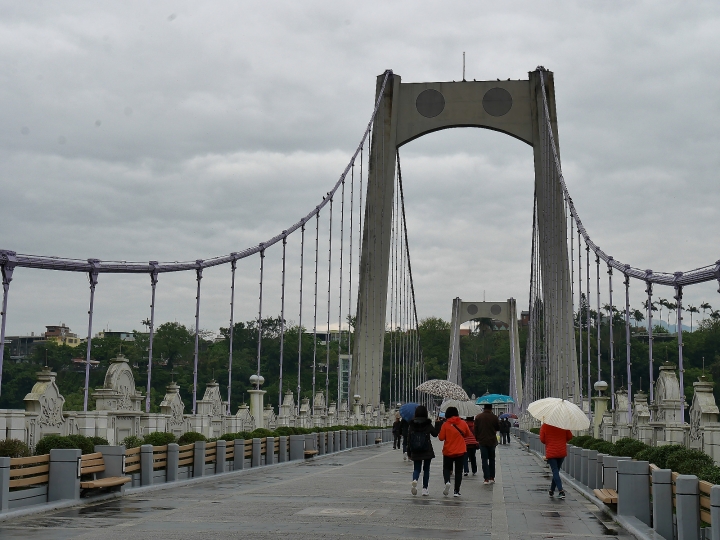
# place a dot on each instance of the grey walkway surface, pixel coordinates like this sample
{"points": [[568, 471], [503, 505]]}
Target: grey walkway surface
{"points": [[364, 493]]}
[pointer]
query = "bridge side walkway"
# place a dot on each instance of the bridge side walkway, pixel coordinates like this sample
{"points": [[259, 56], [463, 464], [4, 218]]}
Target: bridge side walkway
{"points": [[363, 493]]}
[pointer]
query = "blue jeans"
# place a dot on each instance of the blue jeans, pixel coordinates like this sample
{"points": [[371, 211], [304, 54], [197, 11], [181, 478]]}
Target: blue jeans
{"points": [[555, 464], [470, 457], [425, 465], [487, 454]]}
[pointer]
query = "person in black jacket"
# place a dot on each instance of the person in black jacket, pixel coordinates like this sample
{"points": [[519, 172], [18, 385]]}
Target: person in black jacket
{"points": [[397, 432], [420, 449]]}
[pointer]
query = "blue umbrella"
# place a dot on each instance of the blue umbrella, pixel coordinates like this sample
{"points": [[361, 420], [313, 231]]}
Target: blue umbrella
{"points": [[494, 398], [508, 415], [407, 411]]}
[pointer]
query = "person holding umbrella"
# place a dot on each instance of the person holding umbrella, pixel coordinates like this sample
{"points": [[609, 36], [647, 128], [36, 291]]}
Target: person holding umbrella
{"points": [[558, 416], [486, 427], [419, 447], [397, 431]]}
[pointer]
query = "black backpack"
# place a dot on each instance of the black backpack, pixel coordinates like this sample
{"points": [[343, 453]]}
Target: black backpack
{"points": [[419, 442]]}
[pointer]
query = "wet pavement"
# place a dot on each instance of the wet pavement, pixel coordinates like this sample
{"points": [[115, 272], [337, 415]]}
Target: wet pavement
{"points": [[364, 493]]}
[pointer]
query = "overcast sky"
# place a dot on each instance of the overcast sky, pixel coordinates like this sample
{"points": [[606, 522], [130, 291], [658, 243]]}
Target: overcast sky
{"points": [[183, 130]]}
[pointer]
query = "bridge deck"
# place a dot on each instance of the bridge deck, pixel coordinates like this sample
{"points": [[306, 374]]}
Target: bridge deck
{"points": [[364, 493]]}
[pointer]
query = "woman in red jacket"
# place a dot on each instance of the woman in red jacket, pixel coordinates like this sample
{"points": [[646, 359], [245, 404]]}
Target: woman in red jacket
{"points": [[555, 440], [453, 433]]}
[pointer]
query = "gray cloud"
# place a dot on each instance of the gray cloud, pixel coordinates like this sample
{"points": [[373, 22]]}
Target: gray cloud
{"points": [[163, 131]]}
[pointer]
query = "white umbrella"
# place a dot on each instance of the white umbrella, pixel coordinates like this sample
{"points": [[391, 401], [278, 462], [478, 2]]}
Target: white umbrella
{"points": [[465, 408], [446, 389], [559, 413]]}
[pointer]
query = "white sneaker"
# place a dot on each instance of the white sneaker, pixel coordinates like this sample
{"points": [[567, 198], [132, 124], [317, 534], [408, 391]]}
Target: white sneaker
{"points": [[456, 494], [447, 489], [413, 489], [474, 474], [404, 456], [492, 480], [486, 482], [425, 492]]}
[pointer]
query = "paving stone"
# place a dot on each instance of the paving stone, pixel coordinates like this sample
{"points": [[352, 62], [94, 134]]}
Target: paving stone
{"points": [[364, 493]]}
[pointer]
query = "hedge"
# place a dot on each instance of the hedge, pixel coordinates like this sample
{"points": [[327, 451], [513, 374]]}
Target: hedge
{"points": [[85, 444]]}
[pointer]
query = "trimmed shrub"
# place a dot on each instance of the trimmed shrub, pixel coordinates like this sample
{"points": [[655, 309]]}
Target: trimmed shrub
{"points": [[688, 461], [662, 453], [99, 441], [14, 448], [261, 433], [710, 473], [646, 455], [132, 441], [49, 442], [603, 447], [580, 440], [191, 437], [629, 447], [159, 438], [535, 430]]}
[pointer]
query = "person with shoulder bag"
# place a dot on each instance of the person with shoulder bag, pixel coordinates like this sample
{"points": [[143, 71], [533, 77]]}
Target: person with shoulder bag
{"points": [[472, 446], [419, 447], [453, 433]]}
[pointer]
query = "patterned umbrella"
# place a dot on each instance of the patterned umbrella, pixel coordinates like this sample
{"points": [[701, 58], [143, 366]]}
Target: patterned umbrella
{"points": [[494, 398], [508, 415], [446, 389]]}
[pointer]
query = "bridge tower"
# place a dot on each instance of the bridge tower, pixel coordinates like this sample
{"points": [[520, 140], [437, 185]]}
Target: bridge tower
{"points": [[409, 111]]}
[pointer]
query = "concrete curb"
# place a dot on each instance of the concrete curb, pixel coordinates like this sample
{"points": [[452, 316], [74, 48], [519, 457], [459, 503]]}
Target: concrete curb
{"points": [[41, 509]]}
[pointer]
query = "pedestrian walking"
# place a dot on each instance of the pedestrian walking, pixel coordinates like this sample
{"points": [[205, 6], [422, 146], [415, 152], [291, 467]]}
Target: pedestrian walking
{"points": [[397, 432], [404, 431], [453, 433], [505, 431], [471, 445], [555, 440], [486, 427], [420, 449]]}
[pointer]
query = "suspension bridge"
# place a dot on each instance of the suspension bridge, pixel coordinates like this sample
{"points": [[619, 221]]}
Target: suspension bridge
{"points": [[364, 271]]}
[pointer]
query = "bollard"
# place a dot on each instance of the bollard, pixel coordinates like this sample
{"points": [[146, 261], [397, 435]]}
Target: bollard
{"points": [[146, 465], [343, 439], [584, 463], [297, 447], [564, 466], [4, 483], [330, 448], [220, 449], [336, 440], [270, 451], [256, 459], [199, 459], [239, 457], [592, 468], [569, 461], [715, 511], [663, 503], [322, 439], [354, 438], [633, 487], [599, 471], [577, 463], [113, 457], [610, 471], [282, 451], [687, 507], [173, 456], [64, 476]]}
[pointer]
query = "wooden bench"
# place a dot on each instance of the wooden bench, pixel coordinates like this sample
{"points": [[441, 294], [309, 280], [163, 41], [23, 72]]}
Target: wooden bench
{"points": [[608, 496], [29, 471], [93, 464], [311, 453], [378, 440]]}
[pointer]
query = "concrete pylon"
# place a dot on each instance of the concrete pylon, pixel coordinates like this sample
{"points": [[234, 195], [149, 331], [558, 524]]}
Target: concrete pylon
{"points": [[409, 111]]}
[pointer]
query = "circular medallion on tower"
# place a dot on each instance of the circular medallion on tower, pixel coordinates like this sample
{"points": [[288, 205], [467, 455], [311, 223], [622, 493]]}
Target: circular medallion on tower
{"points": [[497, 101], [472, 309], [430, 103], [495, 309]]}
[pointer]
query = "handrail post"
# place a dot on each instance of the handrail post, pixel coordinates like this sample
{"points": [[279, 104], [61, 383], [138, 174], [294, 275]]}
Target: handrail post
{"points": [[199, 459], [687, 492], [173, 456], [64, 480], [220, 450], [592, 469], [270, 451], [4, 483], [239, 458], [282, 451], [634, 489], [146, 465], [663, 503], [256, 452], [715, 511]]}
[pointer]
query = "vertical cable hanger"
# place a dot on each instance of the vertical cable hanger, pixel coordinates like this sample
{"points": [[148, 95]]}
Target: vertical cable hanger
{"points": [[612, 339], [198, 277], [327, 338], [260, 305], [599, 308], [315, 306], [340, 292], [233, 267], [587, 282], [580, 317], [153, 284], [300, 326], [350, 259], [282, 321]]}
